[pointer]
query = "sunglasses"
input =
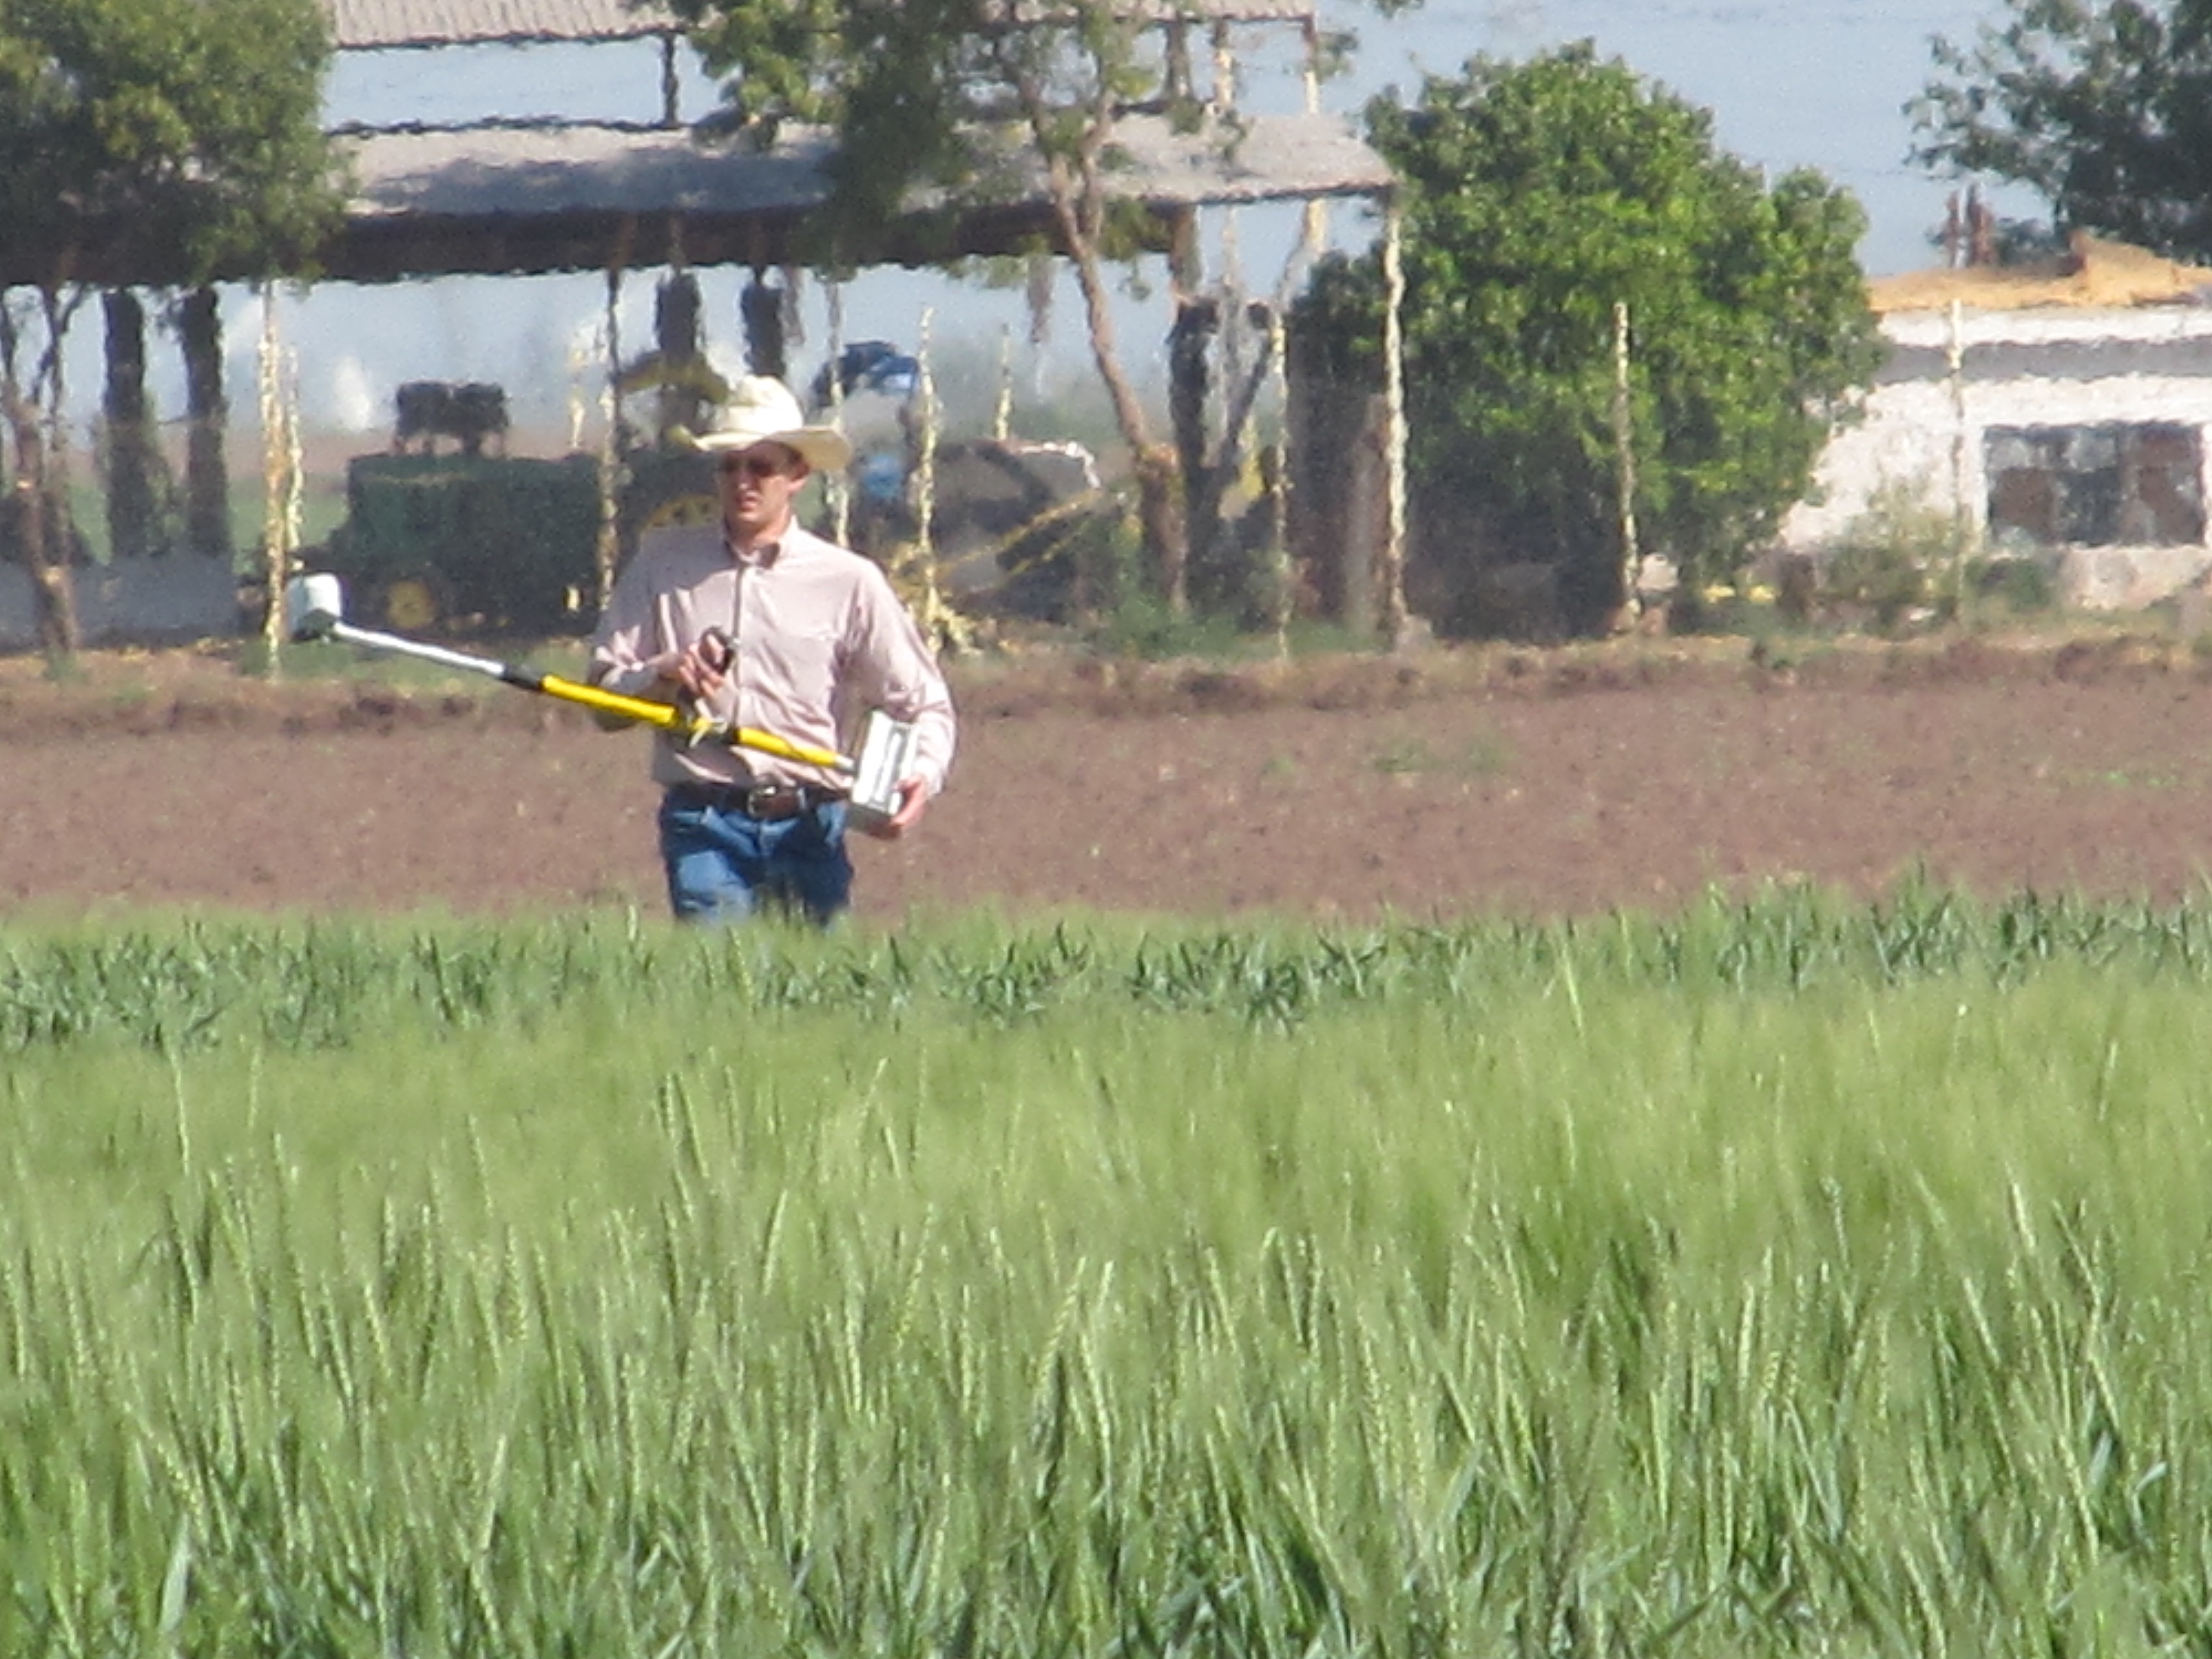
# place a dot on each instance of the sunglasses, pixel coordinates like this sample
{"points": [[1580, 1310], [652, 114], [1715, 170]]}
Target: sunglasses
{"points": [[753, 466]]}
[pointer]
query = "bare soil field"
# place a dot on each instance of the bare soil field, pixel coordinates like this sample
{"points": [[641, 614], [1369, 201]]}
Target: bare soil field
{"points": [[1452, 784]]}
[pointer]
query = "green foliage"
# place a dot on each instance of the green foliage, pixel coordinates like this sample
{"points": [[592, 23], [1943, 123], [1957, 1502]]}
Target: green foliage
{"points": [[1539, 195], [1140, 624], [1885, 579], [2021, 586], [170, 144], [2102, 106], [939, 95], [1905, 555], [1893, 558], [182, 138], [884, 78]]}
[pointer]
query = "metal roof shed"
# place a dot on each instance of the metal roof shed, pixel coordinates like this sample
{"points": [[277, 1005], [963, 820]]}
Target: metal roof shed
{"points": [[536, 199], [550, 195]]}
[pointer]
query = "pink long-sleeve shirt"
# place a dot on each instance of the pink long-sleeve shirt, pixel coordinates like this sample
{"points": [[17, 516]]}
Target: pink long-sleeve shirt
{"points": [[821, 640]]}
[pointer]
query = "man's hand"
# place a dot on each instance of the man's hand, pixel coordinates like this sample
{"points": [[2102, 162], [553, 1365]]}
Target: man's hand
{"points": [[702, 668], [913, 800]]}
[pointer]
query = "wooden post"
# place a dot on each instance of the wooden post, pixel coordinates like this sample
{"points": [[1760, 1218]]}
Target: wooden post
{"points": [[925, 461], [840, 488], [1315, 230], [1391, 578], [607, 552], [1632, 551], [1275, 474], [581, 365], [280, 484], [1962, 514], [1002, 412], [671, 88], [1176, 75], [1036, 297], [943, 627]]}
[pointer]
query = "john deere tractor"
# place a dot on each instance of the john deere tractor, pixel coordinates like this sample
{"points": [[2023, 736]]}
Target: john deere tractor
{"points": [[468, 539]]}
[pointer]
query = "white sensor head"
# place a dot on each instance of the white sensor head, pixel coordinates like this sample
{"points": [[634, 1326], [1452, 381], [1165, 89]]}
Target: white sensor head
{"points": [[313, 605], [886, 752]]}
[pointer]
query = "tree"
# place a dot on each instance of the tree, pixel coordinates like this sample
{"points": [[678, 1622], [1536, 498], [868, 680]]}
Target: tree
{"points": [[1538, 198], [2104, 110], [181, 141], [972, 98]]}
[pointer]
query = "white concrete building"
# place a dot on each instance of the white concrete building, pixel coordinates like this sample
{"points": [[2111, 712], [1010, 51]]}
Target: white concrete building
{"points": [[2058, 413]]}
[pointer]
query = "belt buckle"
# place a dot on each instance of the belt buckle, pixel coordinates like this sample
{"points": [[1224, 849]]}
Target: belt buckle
{"points": [[769, 801]]}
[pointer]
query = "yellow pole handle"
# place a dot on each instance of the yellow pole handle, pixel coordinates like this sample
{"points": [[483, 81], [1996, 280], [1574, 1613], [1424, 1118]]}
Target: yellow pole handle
{"points": [[689, 726]]}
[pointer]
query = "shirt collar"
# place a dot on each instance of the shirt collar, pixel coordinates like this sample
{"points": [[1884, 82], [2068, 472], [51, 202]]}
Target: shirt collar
{"points": [[761, 556]]}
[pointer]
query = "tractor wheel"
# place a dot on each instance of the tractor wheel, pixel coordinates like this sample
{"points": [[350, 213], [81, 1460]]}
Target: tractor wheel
{"points": [[681, 509], [418, 600], [664, 490]]}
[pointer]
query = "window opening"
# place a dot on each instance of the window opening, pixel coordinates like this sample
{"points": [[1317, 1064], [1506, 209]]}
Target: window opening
{"points": [[2108, 485]]}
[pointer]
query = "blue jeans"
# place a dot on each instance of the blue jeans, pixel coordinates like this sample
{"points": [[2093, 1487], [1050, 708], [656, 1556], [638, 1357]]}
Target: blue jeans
{"points": [[725, 865]]}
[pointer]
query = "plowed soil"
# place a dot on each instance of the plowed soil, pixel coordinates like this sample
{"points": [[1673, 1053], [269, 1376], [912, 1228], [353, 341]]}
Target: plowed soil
{"points": [[1448, 784]]}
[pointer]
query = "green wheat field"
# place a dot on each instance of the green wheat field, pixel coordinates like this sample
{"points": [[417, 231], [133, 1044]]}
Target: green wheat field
{"points": [[1788, 1276]]}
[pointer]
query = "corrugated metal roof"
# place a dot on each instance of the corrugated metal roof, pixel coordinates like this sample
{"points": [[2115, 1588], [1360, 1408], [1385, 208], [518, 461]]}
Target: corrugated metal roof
{"points": [[365, 25], [490, 173], [498, 171], [1172, 11], [538, 198]]}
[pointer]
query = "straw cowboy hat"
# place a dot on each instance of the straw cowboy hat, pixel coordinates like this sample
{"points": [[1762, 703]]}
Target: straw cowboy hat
{"points": [[761, 410]]}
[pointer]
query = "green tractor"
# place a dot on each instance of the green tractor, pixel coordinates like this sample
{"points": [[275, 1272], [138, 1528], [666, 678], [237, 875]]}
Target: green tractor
{"points": [[470, 540]]}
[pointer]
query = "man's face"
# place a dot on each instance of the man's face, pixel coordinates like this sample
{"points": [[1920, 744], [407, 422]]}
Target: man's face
{"points": [[757, 485]]}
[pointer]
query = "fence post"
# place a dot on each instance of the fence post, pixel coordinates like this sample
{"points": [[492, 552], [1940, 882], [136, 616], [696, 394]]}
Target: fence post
{"points": [[280, 477], [839, 485], [1962, 519], [1391, 600], [1632, 551], [607, 550]]}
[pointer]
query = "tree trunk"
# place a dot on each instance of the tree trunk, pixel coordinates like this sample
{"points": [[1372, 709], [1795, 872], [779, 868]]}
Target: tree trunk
{"points": [[1190, 341], [761, 307], [676, 335], [1159, 521], [42, 533], [1076, 188], [133, 513], [207, 477], [1366, 526], [1328, 512]]}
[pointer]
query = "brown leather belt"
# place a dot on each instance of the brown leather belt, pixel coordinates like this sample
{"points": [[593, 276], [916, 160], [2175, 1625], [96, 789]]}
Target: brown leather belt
{"points": [[770, 803]]}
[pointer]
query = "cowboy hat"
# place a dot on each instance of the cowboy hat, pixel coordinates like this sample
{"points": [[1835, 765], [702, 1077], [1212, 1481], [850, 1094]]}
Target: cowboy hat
{"points": [[761, 410]]}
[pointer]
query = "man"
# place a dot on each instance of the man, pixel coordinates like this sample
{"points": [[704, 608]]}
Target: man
{"points": [[758, 623]]}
